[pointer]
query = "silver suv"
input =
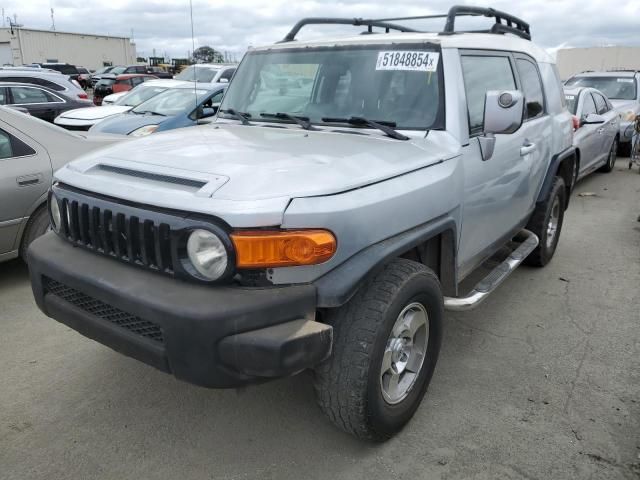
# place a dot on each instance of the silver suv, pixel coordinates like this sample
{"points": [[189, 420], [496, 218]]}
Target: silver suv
{"points": [[622, 88], [326, 219]]}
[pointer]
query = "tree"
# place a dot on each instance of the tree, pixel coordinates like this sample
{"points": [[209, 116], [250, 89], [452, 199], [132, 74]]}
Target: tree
{"points": [[206, 54]]}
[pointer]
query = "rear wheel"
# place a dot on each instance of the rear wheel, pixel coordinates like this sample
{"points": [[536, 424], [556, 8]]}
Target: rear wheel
{"points": [[611, 159], [386, 344], [37, 225], [546, 223]]}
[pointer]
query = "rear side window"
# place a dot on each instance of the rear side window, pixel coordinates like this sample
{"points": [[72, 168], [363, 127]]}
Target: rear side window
{"points": [[481, 74], [10, 146], [601, 103], [588, 105], [532, 88]]}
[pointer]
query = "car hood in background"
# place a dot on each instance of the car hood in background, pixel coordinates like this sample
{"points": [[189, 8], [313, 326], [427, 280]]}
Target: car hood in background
{"points": [[126, 123], [622, 106], [95, 113]]}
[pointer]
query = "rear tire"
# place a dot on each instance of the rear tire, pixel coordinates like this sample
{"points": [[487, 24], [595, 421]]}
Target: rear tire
{"points": [[378, 337], [37, 225], [611, 159], [546, 223]]}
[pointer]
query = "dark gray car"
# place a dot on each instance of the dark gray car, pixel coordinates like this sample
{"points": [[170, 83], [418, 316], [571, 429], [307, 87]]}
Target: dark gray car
{"points": [[39, 101]]}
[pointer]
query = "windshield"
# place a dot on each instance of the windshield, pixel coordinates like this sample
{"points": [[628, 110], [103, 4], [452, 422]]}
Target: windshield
{"points": [[198, 74], [172, 102], [117, 70], [138, 95], [399, 84], [105, 82], [616, 88], [572, 102]]}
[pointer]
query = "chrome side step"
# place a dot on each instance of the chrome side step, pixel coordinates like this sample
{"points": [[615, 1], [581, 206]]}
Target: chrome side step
{"points": [[488, 284]]}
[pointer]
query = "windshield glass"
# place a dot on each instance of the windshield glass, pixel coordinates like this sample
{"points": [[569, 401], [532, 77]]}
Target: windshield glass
{"points": [[616, 88], [399, 84], [138, 95], [105, 82], [198, 74], [103, 70], [117, 70], [572, 102], [172, 102]]}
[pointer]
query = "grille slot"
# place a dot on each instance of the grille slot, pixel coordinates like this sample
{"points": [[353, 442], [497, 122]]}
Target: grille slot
{"points": [[125, 320], [187, 182], [126, 237]]}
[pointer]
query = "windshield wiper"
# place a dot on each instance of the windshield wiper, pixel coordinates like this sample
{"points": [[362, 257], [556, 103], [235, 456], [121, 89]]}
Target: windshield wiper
{"points": [[242, 116], [144, 112], [380, 125], [302, 121]]}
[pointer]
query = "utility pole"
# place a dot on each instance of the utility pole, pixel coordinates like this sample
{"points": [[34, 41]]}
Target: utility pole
{"points": [[53, 21], [3, 18]]}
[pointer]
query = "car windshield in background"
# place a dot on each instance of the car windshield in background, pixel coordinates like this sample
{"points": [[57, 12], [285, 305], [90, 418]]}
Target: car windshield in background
{"points": [[139, 95], [382, 83], [572, 102], [198, 74], [103, 70], [616, 88], [105, 82], [171, 102], [117, 70]]}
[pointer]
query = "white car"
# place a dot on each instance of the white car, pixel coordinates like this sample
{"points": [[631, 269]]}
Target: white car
{"points": [[84, 118], [114, 97], [207, 73]]}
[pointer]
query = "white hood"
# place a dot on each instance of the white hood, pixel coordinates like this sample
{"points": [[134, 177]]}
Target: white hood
{"points": [[94, 113]]}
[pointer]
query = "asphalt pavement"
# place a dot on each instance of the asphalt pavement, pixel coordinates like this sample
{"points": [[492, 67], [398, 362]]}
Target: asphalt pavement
{"points": [[540, 382]]}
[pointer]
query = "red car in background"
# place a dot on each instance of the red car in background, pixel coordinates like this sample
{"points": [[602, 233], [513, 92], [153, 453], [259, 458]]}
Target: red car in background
{"points": [[121, 83]]}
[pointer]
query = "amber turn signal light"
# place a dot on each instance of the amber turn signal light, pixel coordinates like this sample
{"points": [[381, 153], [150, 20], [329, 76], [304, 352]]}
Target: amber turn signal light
{"points": [[282, 248]]}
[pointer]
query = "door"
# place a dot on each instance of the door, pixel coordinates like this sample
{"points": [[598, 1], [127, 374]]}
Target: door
{"points": [[6, 55], [588, 140], [25, 174], [496, 191], [39, 102], [607, 130]]}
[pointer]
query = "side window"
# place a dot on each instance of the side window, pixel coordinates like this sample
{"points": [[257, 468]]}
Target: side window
{"points": [[588, 105], [228, 74], [6, 150], [532, 88], [217, 98], [26, 95], [137, 81], [601, 103], [10, 147], [3, 96], [481, 74]]}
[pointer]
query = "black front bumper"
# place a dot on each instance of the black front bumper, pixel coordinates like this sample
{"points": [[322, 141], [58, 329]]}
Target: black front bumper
{"points": [[215, 337]]}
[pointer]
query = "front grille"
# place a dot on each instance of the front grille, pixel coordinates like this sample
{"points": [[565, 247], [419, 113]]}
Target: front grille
{"points": [[127, 237], [106, 312]]}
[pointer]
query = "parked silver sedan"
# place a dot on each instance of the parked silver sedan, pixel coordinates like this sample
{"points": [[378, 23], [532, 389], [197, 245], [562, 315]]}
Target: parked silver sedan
{"points": [[30, 151], [596, 126]]}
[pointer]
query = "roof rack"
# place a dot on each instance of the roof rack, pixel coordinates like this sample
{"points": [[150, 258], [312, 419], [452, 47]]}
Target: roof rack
{"points": [[504, 23]]}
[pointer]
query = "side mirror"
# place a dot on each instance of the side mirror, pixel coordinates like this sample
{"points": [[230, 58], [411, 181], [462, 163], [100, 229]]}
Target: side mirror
{"points": [[223, 80], [592, 119], [205, 112], [503, 114]]}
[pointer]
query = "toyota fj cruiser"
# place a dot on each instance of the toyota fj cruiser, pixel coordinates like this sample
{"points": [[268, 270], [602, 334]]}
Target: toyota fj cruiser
{"points": [[326, 219]]}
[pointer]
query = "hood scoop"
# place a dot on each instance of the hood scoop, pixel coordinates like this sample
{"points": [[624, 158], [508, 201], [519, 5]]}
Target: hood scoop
{"points": [[195, 184], [155, 177]]}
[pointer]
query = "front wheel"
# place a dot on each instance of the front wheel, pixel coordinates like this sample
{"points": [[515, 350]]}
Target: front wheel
{"points": [[546, 223], [611, 159], [386, 344]]}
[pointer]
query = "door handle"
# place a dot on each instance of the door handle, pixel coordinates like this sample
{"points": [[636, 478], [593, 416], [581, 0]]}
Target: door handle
{"points": [[28, 180], [527, 148]]}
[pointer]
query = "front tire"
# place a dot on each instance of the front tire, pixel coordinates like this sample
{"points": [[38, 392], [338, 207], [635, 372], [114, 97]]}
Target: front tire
{"points": [[386, 344], [611, 159], [546, 223]]}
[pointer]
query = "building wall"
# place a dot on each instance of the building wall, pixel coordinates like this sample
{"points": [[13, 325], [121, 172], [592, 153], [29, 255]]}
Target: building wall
{"points": [[574, 60], [90, 51]]}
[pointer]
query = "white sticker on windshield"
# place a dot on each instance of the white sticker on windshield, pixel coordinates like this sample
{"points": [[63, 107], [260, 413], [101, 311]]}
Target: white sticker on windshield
{"points": [[408, 60], [625, 80], [570, 97]]}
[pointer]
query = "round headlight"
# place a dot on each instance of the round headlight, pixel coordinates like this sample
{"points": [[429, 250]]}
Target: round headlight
{"points": [[207, 254], [56, 217]]}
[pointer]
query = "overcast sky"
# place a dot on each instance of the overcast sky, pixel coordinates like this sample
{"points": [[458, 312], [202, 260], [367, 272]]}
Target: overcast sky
{"points": [[233, 25]]}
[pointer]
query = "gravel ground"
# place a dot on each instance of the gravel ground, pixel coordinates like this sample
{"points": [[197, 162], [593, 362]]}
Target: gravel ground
{"points": [[541, 382]]}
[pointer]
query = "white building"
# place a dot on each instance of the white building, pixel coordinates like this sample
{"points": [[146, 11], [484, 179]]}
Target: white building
{"points": [[20, 46], [575, 60]]}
